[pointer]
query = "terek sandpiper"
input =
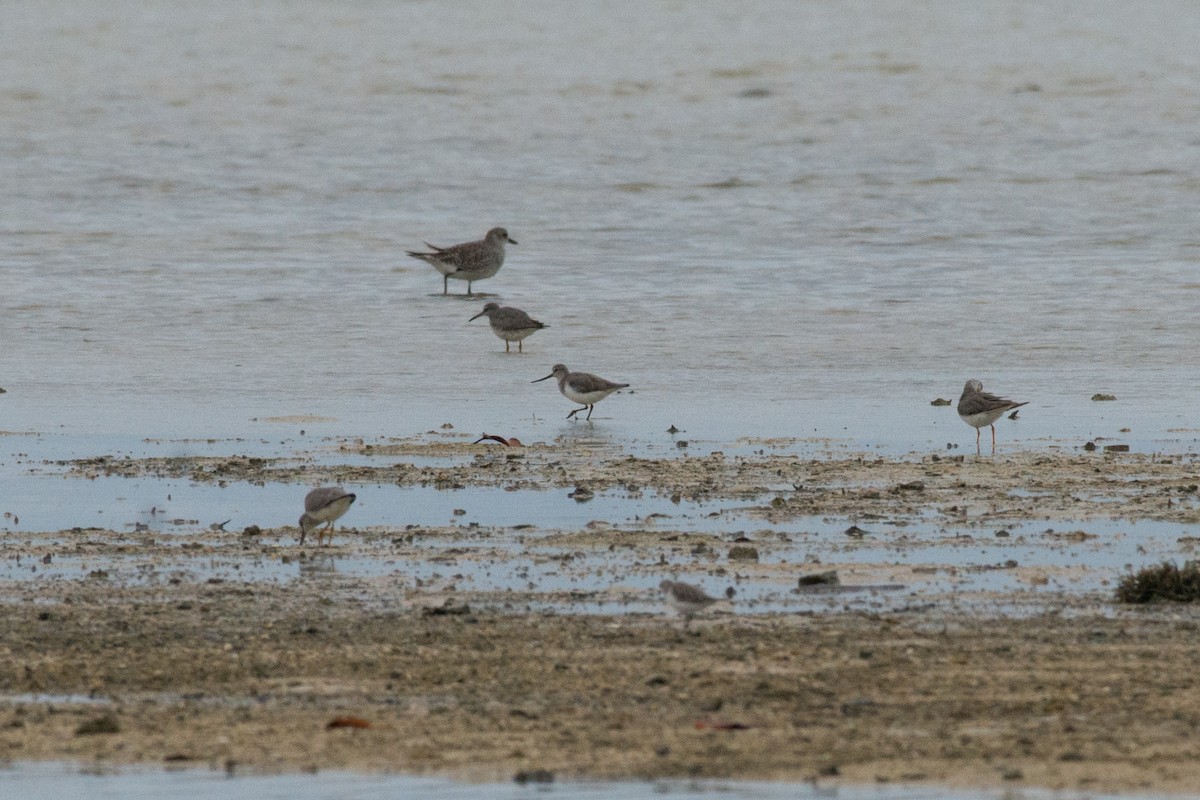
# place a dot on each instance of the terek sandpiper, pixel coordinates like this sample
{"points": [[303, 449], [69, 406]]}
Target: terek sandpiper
{"points": [[978, 408], [510, 324], [469, 261], [324, 505], [582, 387]]}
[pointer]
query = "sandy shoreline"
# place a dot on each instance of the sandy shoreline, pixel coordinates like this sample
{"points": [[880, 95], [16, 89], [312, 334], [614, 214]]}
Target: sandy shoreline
{"points": [[251, 678], [1058, 483], [246, 665]]}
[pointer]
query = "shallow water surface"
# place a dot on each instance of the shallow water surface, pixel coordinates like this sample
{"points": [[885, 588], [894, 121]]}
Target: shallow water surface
{"points": [[818, 216], [54, 781], [772, 219]]}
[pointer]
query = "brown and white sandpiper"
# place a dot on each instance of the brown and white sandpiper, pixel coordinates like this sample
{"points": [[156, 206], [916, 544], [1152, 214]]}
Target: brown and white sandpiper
{"points": [[510, 324], [582, 387], [324, 505], [979, 408]]}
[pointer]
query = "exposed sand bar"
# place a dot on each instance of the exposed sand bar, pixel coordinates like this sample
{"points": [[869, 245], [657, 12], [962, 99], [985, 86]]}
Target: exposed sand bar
{"points": [[215, 648]]}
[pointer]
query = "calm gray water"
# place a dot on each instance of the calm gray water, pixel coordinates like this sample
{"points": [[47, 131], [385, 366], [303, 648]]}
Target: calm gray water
{"points": [[52, 782], [771, 217]]}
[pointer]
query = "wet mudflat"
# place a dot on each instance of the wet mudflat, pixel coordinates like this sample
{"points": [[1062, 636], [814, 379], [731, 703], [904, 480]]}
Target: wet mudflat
{"points": [[970, 639], [284, 678]]}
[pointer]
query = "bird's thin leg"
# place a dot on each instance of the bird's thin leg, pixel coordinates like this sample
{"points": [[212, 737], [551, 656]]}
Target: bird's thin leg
{"points": [[445, 284], [993, 438], [506, 346], [576, 411], [520, 346], [977, 441], [468, 288], [589, 416]]}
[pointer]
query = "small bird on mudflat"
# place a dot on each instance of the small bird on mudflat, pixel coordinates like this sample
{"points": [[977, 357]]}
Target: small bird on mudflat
{"points": [[685, 598], [469, 261], [581, 387], [978, 408], [510, 324], [324, 505]]}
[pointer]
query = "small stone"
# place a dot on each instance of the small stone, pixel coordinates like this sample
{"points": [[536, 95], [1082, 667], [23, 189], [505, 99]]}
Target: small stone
{"points": [[858, 707], [827, 578], [743, 552], [1100, 397], [104, 724], [941, 401], [581, 494], [447, 609], [533, 776]]}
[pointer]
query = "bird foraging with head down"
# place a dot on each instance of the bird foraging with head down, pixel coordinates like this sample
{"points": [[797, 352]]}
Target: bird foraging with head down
{"points": [[323, 506]]}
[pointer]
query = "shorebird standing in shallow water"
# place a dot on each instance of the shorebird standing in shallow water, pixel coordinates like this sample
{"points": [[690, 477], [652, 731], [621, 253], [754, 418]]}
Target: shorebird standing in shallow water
{"points": [[469, 261], [324, 505], [510, 324], [978, 408], [581, 387]]}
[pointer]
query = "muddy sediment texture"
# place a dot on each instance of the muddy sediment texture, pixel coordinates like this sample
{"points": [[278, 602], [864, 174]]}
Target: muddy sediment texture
{"points": [[1041, 485], [250, 677], [247, 673]]}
